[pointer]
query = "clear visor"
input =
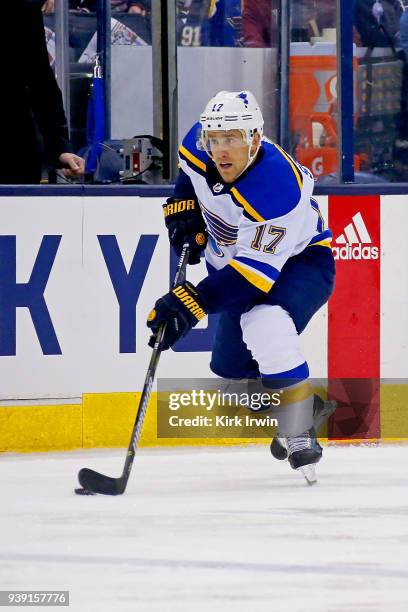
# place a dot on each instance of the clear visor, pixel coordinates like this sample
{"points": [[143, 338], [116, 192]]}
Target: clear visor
{"points": [[219, 141]]}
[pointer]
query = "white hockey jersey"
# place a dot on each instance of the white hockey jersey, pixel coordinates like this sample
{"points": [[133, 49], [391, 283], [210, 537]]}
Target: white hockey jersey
{"points": [[260, 220]]}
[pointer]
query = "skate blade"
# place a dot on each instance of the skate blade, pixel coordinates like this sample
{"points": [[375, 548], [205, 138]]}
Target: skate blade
{"points": [[309, 473]]}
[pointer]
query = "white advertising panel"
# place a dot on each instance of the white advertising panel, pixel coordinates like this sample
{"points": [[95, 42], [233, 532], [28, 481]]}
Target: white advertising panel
{"points": [[394, 287], [41, 320], [77, 280], [79, 275]]}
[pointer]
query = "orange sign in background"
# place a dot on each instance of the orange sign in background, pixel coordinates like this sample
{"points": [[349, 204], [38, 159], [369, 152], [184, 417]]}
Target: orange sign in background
{"points": [[313, 112]]}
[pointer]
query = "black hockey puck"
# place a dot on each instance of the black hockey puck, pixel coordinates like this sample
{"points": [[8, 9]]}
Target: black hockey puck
{"points": [[81, 491]]}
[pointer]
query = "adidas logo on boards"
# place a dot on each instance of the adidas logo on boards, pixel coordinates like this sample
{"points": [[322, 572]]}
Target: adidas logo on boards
{"points": [[355, 239]]}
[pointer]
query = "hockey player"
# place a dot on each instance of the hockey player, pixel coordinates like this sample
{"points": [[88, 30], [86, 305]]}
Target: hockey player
{"points": [[270, 266]]}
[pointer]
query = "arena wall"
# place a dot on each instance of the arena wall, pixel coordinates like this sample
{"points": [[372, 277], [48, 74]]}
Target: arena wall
{"points": [[73, 364]]}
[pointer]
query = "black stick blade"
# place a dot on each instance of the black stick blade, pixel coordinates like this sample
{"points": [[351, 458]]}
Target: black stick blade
{"points": [[98, 483], [81, 491]]}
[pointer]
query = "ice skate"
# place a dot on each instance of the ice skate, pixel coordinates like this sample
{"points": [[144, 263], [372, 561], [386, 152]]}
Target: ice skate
{"points": [[304, 452], [322, 410], [278, 448]]}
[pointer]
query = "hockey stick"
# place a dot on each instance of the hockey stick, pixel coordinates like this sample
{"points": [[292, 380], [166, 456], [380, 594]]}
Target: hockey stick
{"points": [[93, 482]]}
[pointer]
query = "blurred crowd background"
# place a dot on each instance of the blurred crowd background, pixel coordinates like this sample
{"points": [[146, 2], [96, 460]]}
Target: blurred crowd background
{"points": [[222, 35]]}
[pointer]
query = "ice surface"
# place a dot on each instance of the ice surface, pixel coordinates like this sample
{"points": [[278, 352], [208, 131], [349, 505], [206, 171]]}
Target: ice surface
{"points": [[208, 530]]}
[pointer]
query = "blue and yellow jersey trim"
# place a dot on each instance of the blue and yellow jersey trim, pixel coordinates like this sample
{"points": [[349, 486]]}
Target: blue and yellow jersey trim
{"points": [[212, 8], [320, 221], [322, 239], [240, 201], [258, 273], [194, 162], [324, 236], [188, 151], [293, 165], [273, 187]]}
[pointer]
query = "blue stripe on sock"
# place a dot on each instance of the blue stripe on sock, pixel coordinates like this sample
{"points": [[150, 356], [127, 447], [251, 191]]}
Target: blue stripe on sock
{"points": [[281, 380]]}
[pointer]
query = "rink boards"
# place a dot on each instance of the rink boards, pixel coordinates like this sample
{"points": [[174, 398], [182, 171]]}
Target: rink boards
{"points": [[79, 274]]}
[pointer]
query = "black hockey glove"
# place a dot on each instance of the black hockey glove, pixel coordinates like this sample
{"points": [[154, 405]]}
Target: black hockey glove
{"points": [[181, 309], [185, 224]]}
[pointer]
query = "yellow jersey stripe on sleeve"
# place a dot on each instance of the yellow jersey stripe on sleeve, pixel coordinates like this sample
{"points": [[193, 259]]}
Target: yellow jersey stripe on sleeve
{"points": [[295, 170], [194, 160], [246, 205], [212, 9], [258, 281], [325, 243]]}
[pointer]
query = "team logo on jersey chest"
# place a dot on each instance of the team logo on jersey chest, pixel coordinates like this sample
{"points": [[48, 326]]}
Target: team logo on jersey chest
{"points": [[224, 233]]}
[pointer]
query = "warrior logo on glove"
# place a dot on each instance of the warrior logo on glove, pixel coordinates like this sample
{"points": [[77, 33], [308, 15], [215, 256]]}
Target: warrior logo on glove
{"points": [[189, 302], [173, 207], [180, 310], [185, 224]]}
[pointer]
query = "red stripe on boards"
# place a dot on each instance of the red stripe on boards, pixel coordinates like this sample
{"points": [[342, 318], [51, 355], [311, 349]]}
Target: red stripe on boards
{"points": [[354, 317]]}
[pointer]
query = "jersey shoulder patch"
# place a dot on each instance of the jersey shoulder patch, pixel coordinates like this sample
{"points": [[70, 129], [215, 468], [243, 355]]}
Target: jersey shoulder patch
{"points": [[191, 154], [271, 188]]}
